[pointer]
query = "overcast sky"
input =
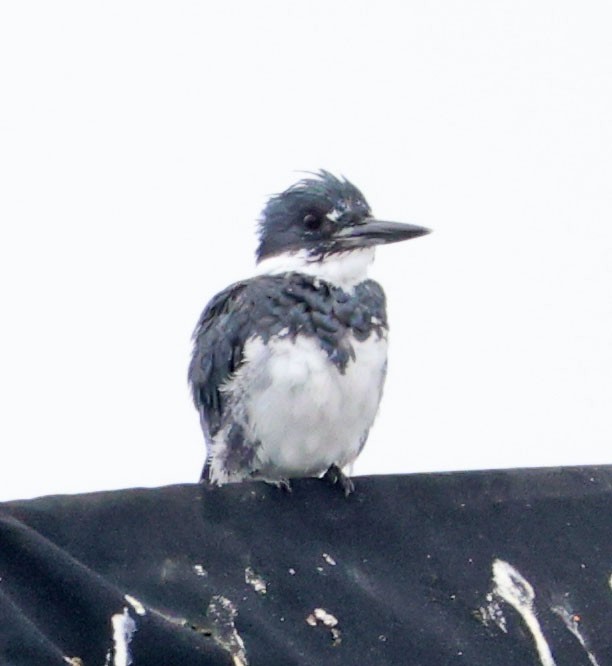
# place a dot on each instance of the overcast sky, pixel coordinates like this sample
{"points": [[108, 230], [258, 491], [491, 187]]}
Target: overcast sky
{"points": [[139, 140]]}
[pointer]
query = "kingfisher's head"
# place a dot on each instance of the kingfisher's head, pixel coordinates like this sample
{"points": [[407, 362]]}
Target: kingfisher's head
{"points": [[321, 219]]}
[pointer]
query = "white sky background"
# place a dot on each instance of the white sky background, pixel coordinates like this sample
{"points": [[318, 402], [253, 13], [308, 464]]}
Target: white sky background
{"points": [[138, 141]]}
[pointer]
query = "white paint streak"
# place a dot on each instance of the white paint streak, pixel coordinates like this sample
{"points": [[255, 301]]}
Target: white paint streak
{"points": [[344, 269], [516, 590], [135, 604], [329, 559], [123, 630], [572, 622]]}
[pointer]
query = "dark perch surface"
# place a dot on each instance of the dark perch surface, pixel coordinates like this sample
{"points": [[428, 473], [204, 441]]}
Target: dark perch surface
{"points": [[476, 568]]}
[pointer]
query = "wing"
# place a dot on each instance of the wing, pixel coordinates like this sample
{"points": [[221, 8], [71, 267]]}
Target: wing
{"points": [[218, 344]]}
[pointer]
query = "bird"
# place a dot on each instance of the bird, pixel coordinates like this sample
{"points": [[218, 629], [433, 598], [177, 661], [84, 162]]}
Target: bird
{"points": [[288, 366]]}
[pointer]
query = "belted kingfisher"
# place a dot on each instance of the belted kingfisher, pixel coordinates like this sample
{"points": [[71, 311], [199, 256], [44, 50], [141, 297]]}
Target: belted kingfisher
{"points": [[288, 366]]}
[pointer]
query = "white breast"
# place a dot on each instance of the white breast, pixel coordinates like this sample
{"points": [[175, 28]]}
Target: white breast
{"points": [[304, 411]]}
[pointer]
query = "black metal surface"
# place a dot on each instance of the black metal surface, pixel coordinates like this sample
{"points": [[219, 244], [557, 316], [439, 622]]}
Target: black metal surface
{"points": [[405, 566]]}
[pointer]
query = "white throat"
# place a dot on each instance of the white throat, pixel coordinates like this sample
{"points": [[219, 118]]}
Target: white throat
{"points": [[343, 269]]}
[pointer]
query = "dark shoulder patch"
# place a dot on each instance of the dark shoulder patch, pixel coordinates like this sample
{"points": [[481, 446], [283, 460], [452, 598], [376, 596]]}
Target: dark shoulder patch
{"points": [[303, 304], [369, 310]]}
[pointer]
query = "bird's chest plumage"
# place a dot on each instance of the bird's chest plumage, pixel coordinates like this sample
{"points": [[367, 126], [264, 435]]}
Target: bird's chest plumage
{"points": [[302, 410], [309, 385]]}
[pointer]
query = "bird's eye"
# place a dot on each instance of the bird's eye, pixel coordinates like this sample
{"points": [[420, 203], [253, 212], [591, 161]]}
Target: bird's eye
{"points": [[312, 221]]}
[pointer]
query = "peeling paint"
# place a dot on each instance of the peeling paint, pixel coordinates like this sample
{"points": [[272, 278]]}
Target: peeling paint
{"points": [[336, 635], [572, 622], [320, 615], [326, 619], [256, 581], [200, 570], [492, 613], [221, 614]]}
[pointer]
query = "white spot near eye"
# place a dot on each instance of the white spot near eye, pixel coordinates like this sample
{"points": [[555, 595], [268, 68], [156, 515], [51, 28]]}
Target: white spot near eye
{"points": [[334, 215]]}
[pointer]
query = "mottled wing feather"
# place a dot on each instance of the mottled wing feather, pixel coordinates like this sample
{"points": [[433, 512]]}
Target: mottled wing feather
{"points": [[218, 345]]}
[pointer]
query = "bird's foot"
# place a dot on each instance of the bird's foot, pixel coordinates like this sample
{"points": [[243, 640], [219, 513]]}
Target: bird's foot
{"points": [[335, 476], [284, 484]]}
